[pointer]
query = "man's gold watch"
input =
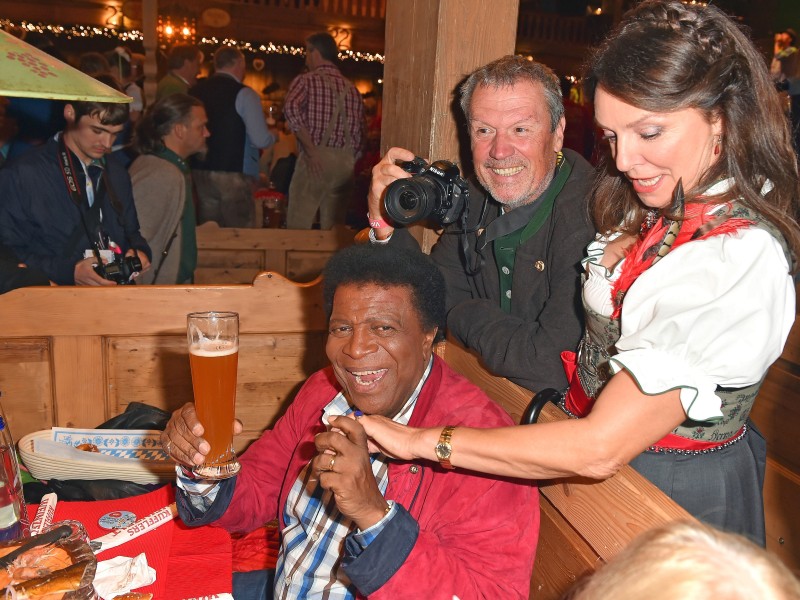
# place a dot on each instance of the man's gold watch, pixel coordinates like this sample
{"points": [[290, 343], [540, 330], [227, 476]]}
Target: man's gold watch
{"points": [[444, 449]]}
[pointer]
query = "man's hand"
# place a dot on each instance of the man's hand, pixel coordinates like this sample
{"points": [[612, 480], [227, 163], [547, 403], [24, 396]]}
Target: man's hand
{"points": [[142, 257], [182, 438], [314, 164], [384, 173], [344, 468], [86, 275]]}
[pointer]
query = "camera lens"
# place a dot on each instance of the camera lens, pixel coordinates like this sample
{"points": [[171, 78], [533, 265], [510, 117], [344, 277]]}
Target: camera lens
{"points": [[410, 200]]}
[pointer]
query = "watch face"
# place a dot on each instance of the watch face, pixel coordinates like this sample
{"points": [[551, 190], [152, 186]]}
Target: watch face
{"points": [[443, 451]]}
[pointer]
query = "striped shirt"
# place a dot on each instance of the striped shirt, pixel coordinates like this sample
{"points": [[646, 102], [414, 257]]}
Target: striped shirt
{"points": [[310, 103], [312, 543]]}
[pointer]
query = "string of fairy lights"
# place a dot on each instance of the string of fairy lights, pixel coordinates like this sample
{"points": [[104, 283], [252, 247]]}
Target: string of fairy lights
{"points": [[125, 36]]}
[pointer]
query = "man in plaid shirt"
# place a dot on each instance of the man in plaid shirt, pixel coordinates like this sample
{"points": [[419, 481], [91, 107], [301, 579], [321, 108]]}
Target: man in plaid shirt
{"points": [[326, 113]]}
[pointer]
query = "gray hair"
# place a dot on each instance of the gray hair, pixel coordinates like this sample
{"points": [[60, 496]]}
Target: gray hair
{"points": [[508, 71], [159, 120]]}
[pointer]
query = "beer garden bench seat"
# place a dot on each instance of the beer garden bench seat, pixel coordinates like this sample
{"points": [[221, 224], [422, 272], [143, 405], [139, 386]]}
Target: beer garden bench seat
{"points": [[75, 357]]}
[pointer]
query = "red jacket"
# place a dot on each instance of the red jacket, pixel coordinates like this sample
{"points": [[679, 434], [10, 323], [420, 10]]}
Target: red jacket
{"points": [[476, 535]]}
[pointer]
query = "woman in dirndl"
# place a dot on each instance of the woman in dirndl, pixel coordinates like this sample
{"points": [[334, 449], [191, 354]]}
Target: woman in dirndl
{"points": [[688, 291]]}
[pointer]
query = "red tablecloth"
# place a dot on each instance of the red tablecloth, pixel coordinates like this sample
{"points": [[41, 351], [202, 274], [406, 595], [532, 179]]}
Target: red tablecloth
{"points": [[189, 562]]}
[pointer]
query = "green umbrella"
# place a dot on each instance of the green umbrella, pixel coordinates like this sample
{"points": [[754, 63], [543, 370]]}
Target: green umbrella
{"points": [[27, 71]]}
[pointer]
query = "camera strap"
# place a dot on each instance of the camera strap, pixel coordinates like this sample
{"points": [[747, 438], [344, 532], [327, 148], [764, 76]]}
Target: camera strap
{"points": [[68, 171], [65, 163]]}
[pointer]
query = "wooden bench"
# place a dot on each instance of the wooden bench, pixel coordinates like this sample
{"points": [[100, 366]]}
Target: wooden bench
{"points": [[74, 357], [777, 415], [231, 255]]}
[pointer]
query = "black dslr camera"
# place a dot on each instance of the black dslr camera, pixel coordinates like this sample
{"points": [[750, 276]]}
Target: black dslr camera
{"points": [[436, 190], [119, 270]]}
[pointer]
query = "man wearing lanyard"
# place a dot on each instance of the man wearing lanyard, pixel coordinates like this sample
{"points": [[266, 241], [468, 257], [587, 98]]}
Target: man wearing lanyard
{"points": [[355, 523], [62, 199], [171, 130], [513, 276]]}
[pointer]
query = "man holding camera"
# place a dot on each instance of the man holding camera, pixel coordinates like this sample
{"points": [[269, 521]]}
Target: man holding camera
{"points": [[64, 204], [525, 231]]}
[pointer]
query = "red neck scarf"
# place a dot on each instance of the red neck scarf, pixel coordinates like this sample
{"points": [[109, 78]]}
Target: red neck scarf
{"points": [[654, 242]]}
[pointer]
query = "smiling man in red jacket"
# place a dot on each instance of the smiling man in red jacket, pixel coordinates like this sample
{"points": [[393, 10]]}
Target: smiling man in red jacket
{"points": [[355, 524]]}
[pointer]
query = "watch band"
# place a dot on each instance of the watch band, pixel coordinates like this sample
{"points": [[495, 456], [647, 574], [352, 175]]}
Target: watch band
{"points": [[444, 448]]}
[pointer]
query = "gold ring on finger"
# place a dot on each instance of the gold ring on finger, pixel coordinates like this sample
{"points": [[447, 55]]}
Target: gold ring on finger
{"points": [[333, 461]]}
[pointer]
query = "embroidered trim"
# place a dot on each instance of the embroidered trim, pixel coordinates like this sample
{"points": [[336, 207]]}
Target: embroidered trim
{"points": [[730, 442]]}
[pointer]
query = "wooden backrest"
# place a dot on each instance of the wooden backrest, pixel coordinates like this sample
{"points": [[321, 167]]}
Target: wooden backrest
{"points": [[74, 357], [584, 522], [776, 413], [231, 255]]}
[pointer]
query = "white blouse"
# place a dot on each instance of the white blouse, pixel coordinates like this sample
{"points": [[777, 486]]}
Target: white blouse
{"points": [[711, 312]]}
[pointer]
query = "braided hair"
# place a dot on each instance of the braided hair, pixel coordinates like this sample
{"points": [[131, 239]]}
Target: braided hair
{"points": [[666, 56]]}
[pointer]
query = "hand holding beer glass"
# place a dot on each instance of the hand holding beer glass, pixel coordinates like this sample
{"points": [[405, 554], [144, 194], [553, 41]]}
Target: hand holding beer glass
{"points": [[214, 358]]}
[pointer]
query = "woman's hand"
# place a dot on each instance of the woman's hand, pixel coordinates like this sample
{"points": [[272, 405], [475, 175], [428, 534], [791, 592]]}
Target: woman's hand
{"points": [[398, 441]]}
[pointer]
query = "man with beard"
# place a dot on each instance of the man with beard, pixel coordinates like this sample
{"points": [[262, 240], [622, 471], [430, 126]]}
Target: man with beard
{"points": [[526, 230], [171, 130]]}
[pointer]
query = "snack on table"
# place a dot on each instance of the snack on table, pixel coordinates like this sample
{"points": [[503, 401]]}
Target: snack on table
{"points": [[87, 447], [55, 565]]}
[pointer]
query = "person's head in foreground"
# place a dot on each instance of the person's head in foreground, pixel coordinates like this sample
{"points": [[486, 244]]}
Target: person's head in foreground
{"points": [[690, 561], [693, 103], [385, 307]]}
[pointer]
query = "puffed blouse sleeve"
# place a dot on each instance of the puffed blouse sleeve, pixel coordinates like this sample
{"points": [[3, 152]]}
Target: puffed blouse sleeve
{"points": [[712, 312]]}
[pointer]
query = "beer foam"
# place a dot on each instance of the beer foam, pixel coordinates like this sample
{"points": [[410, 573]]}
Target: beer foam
{"points": [[213, 348]]}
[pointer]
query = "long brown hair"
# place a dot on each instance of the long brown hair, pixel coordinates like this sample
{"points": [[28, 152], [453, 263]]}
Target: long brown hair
{"points": [[666, 56]]}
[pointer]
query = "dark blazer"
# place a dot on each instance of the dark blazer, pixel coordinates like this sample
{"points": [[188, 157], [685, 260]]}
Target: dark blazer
{"points": [[38, 219]]}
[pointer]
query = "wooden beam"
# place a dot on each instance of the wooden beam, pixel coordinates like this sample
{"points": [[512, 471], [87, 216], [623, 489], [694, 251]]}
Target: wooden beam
{"points": [[431, 45]]}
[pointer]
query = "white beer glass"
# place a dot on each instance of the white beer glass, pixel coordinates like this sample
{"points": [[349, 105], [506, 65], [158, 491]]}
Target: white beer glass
{"points": [[214, 357]]}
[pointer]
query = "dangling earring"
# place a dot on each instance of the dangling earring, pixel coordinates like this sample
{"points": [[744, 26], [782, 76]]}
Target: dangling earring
{"points": [[717, 144]]}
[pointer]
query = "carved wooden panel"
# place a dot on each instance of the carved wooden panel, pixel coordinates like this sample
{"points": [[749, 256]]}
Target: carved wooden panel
{"points": [[562, 556], [26, 385], [781, 499], [155, 370]]}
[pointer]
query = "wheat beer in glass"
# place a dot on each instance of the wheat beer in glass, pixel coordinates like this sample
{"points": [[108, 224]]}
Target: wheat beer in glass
{"points": [[214, 358]]}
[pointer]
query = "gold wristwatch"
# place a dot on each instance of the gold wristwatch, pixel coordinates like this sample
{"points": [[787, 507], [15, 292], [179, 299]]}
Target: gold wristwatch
{"points": [[444, 449]]}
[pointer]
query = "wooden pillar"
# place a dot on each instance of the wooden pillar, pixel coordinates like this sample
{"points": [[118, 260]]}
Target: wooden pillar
{"points": [[149, 24], [431, 45]]}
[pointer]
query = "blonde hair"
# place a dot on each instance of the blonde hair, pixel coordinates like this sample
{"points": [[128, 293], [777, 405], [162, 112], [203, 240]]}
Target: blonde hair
{"points": [[690, 561]]}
